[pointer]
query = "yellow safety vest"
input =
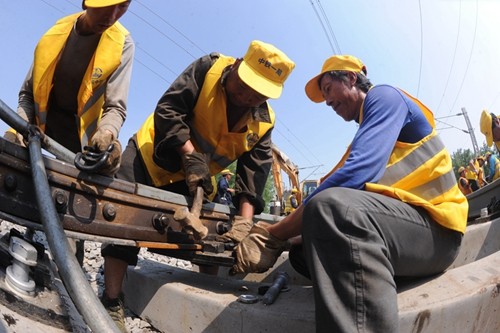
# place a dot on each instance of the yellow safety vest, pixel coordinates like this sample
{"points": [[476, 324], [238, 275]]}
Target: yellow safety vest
{"points": [[463, 189], [421, 174], [209, 131], [104, 62], [496, 175]]}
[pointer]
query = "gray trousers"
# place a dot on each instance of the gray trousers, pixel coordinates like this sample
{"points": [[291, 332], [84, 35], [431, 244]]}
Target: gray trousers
{"points": [[355, 242]]}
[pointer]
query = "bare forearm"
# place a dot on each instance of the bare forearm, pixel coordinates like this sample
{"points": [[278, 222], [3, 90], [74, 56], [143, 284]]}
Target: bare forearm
{"points": [[289, 227]]}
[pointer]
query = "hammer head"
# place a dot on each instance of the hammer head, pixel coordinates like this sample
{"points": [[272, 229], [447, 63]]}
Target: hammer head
{"points": [[191, 223]]}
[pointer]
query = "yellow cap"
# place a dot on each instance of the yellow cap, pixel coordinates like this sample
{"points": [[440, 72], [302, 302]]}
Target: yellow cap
{"points": [[461, 169], [265, 68], [486, 127], [226, 172], [335, 63], [294, 190], [102, 3], [480, 158]]}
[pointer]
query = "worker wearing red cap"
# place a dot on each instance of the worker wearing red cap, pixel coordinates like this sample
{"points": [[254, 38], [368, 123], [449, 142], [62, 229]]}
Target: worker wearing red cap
{"points": [[76, 90], [390, 207]]}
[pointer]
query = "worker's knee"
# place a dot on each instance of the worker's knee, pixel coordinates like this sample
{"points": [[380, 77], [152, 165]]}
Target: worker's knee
{"points": [[125, 253]]}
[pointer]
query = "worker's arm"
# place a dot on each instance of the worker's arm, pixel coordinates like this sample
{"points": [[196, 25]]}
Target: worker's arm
{"points": [[173, 112], [117, 90]]}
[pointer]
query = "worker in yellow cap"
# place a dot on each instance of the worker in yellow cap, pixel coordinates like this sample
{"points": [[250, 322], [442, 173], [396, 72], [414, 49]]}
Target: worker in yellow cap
{"points": [[390, 207], [224, 191], [490, 127], [214, 113], [493, 164], [463, 183], [77, 87]]}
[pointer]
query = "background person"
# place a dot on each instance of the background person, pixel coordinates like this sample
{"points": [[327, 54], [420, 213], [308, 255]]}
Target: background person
{"points": [[77, 87], [391, 207], [463, 183], [493, 164], [224, 191], [490, 127], [214, 113]]}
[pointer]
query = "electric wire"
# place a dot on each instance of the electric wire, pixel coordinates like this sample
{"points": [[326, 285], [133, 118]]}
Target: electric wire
{"points": [[171, 26], [454, 56], [332, 34], [323, 27], [470, 58], [421, 45]]}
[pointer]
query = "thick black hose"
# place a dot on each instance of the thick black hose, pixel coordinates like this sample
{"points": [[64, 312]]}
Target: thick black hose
{"points": [[74, 280]]}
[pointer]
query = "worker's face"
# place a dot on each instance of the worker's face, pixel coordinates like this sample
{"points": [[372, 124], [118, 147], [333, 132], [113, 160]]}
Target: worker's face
{"points": [[342, 96], [239, 93], [97, 20]]}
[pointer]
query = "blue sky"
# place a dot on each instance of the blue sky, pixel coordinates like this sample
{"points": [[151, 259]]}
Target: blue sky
{"points": [[445, 52]]}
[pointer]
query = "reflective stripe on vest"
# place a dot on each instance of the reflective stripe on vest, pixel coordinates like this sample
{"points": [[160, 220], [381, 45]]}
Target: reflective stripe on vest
{"points": [[421, 174], [104, 62]]}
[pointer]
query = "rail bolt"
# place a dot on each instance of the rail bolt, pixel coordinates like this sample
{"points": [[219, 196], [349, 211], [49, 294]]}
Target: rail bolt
{"points": [[109, 212], [10, 182], [61, 201]]}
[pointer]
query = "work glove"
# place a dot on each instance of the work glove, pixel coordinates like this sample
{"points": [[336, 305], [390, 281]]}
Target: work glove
{"points": [[14, 137], [258, 251], [113, 162], [239, 230], [197, 173], [102, 139]]}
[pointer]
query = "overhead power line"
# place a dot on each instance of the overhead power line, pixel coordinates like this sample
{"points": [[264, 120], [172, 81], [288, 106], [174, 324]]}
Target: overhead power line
{"points": [[326, 26]]}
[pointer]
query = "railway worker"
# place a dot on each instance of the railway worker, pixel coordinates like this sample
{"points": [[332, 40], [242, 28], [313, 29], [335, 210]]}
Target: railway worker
{"points": [[77, 87], [214, 113], [224, 191], [293, 200], [391, 206], [463, 183], [493, 165], [480, 175], [472, 174], [490, 127]]}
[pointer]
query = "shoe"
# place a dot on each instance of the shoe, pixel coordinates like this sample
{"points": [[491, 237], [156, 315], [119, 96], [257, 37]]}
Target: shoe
{"points": [[115, 309]]}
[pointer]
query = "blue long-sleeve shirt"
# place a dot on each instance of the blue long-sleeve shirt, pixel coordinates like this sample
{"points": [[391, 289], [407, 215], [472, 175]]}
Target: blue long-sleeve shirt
{"points": [[388, 116]]}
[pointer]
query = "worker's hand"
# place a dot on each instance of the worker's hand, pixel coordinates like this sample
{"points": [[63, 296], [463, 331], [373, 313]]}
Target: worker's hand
{"points": [[239, 230], [14, 137], [113, 162], [197, 172], [102, 139], [258, 251]]}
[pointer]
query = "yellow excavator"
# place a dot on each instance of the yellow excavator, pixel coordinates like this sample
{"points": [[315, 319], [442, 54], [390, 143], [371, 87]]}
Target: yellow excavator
{"points": [[281, 162]]}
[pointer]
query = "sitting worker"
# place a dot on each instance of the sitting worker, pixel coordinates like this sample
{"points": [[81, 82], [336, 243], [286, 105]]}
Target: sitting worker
{"points": [[76, 90], [391, 207], [472, 174], [463, 183], [224, 191], [214, 113], [493, 164]]}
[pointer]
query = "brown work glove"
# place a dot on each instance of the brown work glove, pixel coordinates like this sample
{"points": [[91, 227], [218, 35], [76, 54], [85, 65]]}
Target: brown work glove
{"points": [[258, 251], [239, 230], [14, 137], [197, 173], [113, 162], [102, 139]]}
